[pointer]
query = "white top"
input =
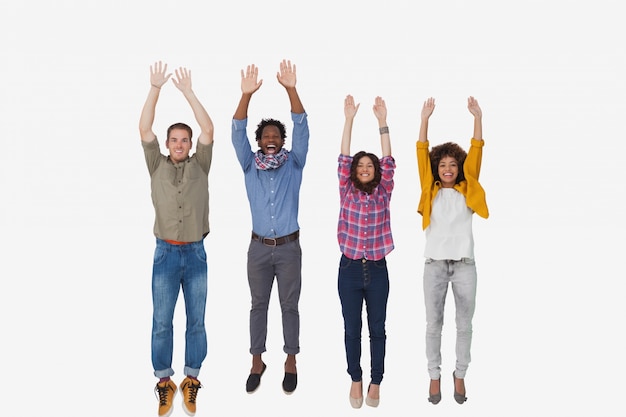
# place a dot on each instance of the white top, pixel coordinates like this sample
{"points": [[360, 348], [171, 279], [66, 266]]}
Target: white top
{"points": [[449, 235]]}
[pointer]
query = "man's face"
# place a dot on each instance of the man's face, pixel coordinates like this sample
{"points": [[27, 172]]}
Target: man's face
{"points": [[179, 145], [271, 142]]}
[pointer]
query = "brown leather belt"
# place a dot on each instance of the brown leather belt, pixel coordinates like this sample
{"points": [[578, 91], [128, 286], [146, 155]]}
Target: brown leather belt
{"points": [[270, 241]]}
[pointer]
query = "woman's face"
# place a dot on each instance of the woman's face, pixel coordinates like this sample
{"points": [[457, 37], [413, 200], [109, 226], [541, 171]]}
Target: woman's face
{"points": [[365, 170], [448, 170]]}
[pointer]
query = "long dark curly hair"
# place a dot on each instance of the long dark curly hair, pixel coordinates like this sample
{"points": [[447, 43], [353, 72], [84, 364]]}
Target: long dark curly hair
{"points": [[370, 186], [437, 153]]}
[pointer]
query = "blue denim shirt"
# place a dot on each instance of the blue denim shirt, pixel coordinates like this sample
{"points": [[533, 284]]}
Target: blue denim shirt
{"points": [[273, 194]]}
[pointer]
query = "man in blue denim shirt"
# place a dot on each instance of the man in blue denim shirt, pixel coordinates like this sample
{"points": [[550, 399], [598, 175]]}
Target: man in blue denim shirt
{"points": [[273, 176]]}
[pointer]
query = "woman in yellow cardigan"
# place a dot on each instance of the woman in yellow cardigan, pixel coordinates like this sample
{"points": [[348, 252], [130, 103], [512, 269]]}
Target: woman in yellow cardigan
{"points": [[451, 194]]}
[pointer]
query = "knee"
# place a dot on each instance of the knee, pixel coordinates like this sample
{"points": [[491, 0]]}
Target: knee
{"points": [[434, 327]]}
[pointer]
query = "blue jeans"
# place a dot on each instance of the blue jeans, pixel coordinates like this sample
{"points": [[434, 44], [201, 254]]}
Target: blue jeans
{"points": [[364, 280], [177, 266], [438, 274]]}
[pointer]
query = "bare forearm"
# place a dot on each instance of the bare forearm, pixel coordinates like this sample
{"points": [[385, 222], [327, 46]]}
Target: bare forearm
{"points": [[478, 128], [294, 100], [202, 117], [347, 136], [242, 109], [146, 119], [385, 140], [423, 135]]}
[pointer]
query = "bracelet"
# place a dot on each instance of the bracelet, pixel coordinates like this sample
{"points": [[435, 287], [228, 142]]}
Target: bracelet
{"points": [[156, 86], [384, 129]]}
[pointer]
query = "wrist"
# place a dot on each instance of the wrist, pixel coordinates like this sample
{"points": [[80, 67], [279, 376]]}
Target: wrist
{"points": [[156, 86]]}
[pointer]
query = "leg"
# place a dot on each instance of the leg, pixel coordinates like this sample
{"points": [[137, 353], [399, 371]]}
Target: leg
{"points": [[350, 286], [260, 280], [376, 295], [464, 289], [435, 290], [195, 292], [165, 287], [288, 267]]}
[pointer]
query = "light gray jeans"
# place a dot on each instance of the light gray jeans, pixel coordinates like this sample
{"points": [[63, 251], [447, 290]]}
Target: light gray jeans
{"points": [[462, 275]]}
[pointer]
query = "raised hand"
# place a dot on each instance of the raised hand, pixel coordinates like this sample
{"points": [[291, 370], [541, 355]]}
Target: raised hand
{"points": [[473, 107], [183, 79], [380, 108], [287, 74], [428, 108], [158, 75], [249, 83], [349, 108]]}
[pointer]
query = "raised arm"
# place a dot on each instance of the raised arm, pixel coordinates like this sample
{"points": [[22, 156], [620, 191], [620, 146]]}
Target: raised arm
{"points": [[427, 111], [349, 110], [380, 111], [249, 85], [474, 108], [287, 78], [158, 77], [183, 83]]}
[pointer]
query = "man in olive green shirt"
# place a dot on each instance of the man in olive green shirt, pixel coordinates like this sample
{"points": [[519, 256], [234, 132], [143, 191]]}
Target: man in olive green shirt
{"points": [[180, 196]]}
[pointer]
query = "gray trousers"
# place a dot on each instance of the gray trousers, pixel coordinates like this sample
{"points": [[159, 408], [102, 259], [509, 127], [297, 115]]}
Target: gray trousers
{"points": [[462, 275], [283, 262]]}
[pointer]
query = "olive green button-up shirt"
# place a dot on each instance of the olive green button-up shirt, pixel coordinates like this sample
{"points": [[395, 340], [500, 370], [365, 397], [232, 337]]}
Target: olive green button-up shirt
{"points": [[180, 193]]}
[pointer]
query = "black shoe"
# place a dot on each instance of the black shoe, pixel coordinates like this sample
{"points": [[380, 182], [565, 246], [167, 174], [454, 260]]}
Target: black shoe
{"points": [[290, 382], [254, 380], [458, 397]]}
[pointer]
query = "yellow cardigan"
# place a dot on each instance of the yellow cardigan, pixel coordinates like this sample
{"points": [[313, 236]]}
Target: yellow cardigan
{"points": [[470, 187]]}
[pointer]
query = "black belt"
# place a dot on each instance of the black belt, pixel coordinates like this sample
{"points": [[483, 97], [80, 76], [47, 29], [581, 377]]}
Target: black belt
{"points": [[270, 241]]}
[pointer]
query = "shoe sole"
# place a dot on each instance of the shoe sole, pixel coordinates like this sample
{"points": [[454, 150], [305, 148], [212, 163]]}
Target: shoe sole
{"points": [[185, 409]]}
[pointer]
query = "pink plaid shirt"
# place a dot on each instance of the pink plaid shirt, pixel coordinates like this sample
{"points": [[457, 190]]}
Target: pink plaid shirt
{"points": [[364, 228]]}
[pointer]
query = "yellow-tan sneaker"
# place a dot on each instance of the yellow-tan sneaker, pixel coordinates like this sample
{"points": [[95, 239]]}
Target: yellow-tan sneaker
{"points": [[189, 388], [166, 391]]}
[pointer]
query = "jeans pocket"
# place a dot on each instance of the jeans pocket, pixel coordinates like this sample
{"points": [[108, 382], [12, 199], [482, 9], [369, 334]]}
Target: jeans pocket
{"points": [[344, 262], [381, 263], [159, 254], [200, 253]]}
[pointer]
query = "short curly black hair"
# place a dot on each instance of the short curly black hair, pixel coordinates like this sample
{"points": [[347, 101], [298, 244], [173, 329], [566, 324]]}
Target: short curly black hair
{"points": [[369, 186], [437, 153], [269, 122]]}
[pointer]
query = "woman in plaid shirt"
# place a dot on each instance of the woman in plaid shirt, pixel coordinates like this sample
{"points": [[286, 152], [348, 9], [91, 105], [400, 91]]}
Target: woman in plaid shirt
{"points": [[364, 235]]}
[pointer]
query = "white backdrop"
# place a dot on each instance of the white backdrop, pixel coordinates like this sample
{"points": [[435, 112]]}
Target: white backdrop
{"points": [[77, 219]]}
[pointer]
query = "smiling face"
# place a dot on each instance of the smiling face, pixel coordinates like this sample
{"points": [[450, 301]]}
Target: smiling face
{"points": [[448, 170], [271, 141], [179, 145], [365, 170]]}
